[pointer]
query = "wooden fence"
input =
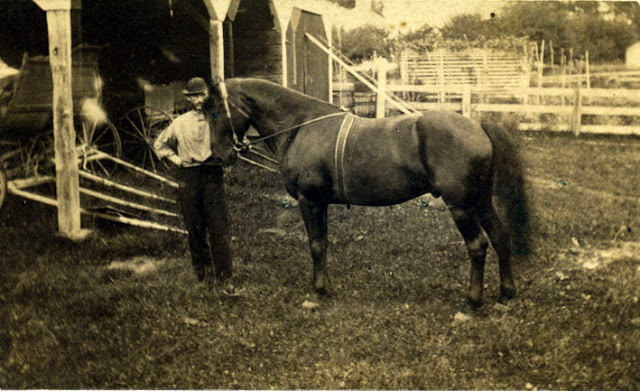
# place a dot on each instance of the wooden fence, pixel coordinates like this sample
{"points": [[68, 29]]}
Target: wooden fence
{"points": [[569, 105], [580, 110], [480, 66]]}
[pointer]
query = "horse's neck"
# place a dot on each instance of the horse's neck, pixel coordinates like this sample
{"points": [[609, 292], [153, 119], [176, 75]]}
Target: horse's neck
{"points": [[278, 122]]}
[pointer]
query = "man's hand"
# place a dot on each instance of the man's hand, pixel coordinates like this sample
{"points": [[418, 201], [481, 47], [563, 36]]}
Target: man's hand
{"points": [[175, 159]]}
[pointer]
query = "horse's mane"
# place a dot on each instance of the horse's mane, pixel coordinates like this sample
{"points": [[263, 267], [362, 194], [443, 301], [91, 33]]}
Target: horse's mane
{"points": [[254, 86]]}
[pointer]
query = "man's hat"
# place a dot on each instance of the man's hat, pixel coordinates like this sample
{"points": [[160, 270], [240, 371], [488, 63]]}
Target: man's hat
{"points": [[197, 85]]}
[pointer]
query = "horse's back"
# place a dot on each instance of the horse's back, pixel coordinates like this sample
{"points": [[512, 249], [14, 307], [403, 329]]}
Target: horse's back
{"points": [[458, 154], [381, 161]]}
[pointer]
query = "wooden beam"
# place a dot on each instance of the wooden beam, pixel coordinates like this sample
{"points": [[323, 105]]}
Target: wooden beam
{"points": [[329, 32], [285, 60], [216, 49], [233, 10], [67, 181], [217, 8], [59, 5]]}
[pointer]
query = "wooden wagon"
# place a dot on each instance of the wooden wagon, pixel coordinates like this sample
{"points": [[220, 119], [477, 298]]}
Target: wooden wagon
{"points": [[142, 125], [26, 136], [27, 154]]}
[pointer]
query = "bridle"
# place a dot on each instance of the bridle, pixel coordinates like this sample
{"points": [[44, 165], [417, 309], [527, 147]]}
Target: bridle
{"points": [[241, 146], [238, 145]]}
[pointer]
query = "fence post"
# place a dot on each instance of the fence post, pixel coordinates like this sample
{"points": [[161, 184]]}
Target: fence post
{"points": [[577, 112], [404, 66], [441, 80], [466, 101], [485, 71], [586, 69], [382, 87], [540, 70]]}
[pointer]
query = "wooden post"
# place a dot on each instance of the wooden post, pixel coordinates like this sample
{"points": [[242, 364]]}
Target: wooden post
{"points": [[552, 58], [586, 68], [526, 77], [404, 67], [441, 81], [466, 101], [485, 72], [563, 78], [540, 69], [329, 62], [382, 87], [577, 112], [571, 62], [283, 54], [216, 49], [229, 64], [64, 135]]}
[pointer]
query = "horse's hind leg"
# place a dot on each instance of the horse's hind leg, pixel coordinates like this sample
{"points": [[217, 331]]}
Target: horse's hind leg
{"points": [[500, 240], [315, 220], [477, 244]]}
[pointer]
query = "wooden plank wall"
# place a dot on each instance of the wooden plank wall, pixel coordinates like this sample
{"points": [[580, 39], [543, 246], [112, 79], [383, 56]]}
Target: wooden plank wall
{"points": [[257, 50]]}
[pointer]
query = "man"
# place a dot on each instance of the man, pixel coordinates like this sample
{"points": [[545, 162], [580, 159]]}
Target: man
{"points": [[190, 143]]}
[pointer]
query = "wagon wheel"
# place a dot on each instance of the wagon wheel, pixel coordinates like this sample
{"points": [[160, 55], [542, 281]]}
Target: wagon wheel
{"points": [[145, 124], [102, 136], [30, 157]]}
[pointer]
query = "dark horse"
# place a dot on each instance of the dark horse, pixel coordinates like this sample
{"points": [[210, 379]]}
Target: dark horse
{"points": [[330, 157]]}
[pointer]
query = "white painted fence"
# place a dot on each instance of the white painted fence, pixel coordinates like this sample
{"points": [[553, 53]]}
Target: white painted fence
{"points": [[568, 104]]}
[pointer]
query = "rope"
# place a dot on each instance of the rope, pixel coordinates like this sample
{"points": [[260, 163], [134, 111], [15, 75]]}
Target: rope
{"points": [[299, 125]]}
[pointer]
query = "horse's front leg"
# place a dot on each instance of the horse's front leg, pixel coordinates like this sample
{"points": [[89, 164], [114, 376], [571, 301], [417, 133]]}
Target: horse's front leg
{"points": [[315, 220]]}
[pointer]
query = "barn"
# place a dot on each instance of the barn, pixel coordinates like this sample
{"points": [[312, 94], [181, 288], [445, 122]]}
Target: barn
{"points": [[151, 42], [158, 42]]}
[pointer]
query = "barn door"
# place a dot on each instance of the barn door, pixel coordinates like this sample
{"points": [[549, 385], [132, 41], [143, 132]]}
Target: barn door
{"points": [[308, 65], [314, 60], [315, 64]]}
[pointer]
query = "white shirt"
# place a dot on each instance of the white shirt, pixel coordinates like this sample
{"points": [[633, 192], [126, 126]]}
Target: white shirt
{"points": [[190, 133]]}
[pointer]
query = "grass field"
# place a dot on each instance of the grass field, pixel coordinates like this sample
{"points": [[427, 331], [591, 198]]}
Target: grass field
{"points": [[123, 310]]}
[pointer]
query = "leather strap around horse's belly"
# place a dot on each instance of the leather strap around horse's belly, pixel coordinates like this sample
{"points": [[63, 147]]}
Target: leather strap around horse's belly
{"points": [[343, 135]]}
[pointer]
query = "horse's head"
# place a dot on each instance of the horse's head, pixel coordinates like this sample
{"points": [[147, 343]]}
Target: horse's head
{"points": [[233, 121]]}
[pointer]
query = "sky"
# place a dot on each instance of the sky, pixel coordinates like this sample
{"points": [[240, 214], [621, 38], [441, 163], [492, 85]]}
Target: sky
{"points": [[402, 15], [435, 13]]}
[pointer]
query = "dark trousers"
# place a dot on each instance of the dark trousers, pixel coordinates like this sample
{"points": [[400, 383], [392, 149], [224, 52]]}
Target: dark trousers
{"points": [[202, 201]]}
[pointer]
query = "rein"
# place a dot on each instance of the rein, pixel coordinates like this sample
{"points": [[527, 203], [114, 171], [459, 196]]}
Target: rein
{"points": [[242, 146], [297, 126]]}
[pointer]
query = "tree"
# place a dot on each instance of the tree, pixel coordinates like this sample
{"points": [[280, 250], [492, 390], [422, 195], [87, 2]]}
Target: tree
{"points": [[344, 3], [605, 29], [360, 43], [465, 26]]}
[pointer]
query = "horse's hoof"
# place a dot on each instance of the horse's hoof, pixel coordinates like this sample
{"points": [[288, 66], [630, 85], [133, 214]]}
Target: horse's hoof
{"points": [[506, 295], [322, 292], [471, 307]]}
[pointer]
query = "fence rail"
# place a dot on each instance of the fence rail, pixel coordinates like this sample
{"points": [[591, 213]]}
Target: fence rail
{"points": [[570, 105], [468, 67]]}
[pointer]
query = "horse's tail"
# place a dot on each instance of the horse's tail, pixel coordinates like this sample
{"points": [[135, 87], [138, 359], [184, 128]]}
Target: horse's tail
{"points": [[509, 186]]}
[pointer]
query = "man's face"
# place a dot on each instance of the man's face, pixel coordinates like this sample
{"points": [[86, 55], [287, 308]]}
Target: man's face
{"points": [[197, 100]]}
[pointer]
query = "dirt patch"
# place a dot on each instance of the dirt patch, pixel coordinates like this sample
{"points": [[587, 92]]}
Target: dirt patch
{"points": [[137, 265], [591, 259]]}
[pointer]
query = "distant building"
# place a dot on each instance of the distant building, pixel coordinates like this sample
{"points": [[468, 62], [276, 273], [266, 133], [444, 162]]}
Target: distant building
{"points": [[632, 56]]}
